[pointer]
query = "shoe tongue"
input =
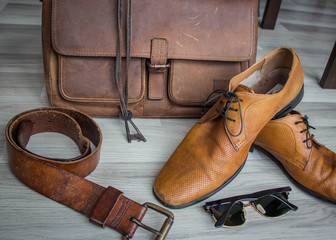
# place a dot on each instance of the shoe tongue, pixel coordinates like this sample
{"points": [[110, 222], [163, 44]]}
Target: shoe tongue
{"points": [[243, 88]]}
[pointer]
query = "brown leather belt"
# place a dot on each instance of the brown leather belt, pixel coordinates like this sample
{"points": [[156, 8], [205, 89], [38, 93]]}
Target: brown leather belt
{"points": [[63, 180]]}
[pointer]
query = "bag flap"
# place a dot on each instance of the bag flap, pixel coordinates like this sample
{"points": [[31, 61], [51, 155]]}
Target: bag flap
{"points": [[197, 29]]}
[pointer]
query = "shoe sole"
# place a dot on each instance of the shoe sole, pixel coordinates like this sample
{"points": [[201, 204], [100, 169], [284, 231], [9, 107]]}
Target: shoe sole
{"points": [[303, 188], [283, 112]]}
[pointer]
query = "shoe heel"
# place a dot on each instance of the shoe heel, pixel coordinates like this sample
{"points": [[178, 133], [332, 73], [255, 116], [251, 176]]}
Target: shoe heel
{"points": [[251, 148], [290, 106]]}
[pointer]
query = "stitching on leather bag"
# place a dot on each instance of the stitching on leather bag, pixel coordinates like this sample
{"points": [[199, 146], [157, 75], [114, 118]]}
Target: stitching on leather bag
{"points": [[150, 82], [161, 60], [73, 52], [159, 48], [149, 79], [87, 99], [170, 91], [159, 45], [171, 94]]}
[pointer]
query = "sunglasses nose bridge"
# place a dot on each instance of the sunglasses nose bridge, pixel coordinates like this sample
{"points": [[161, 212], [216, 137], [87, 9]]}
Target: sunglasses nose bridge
{"points": [[249, 204]]}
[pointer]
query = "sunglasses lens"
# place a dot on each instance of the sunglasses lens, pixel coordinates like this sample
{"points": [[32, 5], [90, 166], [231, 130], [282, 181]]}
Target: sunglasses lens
{"points": [[271, 206], [235, 217]]}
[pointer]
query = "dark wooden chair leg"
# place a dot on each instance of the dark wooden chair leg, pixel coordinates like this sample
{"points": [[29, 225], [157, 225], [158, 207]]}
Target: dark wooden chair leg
{"points": [[328, 79], [271, 12]]}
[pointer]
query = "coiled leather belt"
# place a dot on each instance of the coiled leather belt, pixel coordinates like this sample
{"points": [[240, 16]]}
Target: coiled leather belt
{"points": [[63, 180]]}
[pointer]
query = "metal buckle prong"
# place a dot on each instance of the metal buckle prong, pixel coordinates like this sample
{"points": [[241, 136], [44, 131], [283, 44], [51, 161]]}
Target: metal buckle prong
{"points": [[144, 226], [162, 234]]}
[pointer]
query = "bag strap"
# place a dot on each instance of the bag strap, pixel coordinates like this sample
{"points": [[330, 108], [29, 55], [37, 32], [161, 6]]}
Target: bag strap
{"points": [[125, 114], [62, 180]]}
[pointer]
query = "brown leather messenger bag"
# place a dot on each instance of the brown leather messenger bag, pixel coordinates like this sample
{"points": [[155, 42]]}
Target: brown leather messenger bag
{"points": [[63, 180], [144, 58]]}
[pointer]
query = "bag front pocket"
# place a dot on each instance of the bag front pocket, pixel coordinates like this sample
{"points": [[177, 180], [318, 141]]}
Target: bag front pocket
{"points": [[92, 79], [191, 82]]}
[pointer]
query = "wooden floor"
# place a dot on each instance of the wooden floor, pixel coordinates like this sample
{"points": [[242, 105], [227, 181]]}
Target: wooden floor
{"points": [[309, 27]]}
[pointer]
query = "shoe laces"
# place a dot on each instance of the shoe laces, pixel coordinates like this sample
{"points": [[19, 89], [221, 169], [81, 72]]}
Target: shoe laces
{"points": [[230, 98], [309, 137]]}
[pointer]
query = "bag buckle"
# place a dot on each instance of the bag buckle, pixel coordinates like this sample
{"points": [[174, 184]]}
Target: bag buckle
{"points": [[157, 67], [162, 234]]}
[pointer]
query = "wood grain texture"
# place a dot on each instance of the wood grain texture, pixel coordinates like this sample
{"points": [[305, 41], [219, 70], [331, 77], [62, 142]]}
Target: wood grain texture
{"points": [[270, 14], [328, 79], [306, 26]]}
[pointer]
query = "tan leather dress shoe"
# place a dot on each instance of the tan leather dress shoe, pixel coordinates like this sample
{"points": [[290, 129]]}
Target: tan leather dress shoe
{"points": [[310, 164], [215, 149]]}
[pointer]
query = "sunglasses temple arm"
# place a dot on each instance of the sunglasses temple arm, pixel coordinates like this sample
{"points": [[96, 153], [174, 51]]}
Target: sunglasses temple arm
{"points": [[291, 206], [288, 204], [220, 222]]}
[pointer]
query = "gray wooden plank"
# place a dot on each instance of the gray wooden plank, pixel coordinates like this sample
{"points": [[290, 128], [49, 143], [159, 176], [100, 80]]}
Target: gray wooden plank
{"points": [[306, 26]]}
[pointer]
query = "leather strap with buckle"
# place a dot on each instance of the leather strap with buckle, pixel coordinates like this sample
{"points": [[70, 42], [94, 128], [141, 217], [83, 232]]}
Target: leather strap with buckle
{"points": [[157, 69], [62, 180]]}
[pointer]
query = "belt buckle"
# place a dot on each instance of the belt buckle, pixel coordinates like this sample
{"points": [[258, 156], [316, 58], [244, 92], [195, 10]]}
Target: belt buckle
{"points": [[162, 234]]}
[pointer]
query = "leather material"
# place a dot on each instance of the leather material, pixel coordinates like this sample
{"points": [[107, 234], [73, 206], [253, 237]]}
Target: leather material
{"points": [[314, 169], [208, 42], [157, 75], [62, 180], [214, 150]]}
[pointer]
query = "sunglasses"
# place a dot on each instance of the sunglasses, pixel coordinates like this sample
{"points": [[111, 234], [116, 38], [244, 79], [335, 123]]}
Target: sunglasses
{"points": [[230, 212]]}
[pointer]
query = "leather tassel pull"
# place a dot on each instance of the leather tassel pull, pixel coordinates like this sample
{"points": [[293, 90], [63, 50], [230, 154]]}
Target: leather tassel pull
{"points": [[136, 136], [125, 114]]}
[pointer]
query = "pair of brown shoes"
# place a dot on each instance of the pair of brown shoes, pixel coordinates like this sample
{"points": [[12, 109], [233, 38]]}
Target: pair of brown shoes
{"points": [[215, 149]]}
